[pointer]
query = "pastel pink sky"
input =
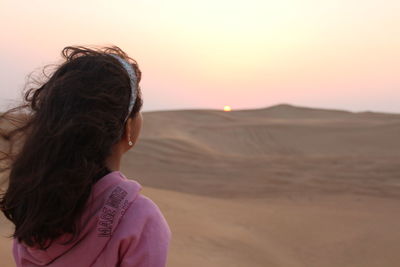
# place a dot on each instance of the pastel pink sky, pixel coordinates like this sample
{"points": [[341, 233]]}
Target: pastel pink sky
{"points": [[341, 54]]}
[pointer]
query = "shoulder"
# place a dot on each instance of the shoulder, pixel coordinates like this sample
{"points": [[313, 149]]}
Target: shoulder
{"points": [[144, 214], [143, 206], [143, 235], [145, 202]]}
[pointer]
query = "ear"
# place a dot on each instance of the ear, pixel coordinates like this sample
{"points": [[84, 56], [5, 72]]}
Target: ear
{"points": [[128, 126]]}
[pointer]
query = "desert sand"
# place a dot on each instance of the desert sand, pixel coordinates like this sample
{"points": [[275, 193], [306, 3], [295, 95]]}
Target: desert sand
{"points": [[278, 186]]}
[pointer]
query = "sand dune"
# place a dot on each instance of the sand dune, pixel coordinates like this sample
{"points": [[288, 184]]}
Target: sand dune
{"points": [[278, 149], [309, 230], [279, 186]]}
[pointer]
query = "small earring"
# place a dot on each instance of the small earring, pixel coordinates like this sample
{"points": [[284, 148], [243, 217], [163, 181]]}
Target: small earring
{"points": [[130, 142]]}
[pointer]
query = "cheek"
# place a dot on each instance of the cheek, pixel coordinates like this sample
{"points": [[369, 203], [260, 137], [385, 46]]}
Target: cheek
{"points": [[140, 124], [140, 121]]}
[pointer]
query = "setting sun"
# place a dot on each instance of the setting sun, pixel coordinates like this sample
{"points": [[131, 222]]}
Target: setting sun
{"points": [[227, 108]]}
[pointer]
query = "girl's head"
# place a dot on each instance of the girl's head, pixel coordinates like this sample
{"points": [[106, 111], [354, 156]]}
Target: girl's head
{"points": [[72, 124]]}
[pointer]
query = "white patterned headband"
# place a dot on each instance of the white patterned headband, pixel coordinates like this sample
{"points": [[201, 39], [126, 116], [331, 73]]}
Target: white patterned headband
{"points": [[132, 76]]}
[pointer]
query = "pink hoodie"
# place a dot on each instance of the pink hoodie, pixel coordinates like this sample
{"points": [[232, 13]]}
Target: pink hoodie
{"points": [[121, 227]]}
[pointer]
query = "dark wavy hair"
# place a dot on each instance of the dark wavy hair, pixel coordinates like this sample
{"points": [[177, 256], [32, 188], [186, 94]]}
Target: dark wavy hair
{"points": [[59, 139]]}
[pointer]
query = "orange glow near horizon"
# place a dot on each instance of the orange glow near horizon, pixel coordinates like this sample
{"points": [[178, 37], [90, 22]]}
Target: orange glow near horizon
{"points": [[227, 108]]}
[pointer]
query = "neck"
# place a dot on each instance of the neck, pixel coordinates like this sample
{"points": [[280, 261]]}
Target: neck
{"points": [[113, 162]]}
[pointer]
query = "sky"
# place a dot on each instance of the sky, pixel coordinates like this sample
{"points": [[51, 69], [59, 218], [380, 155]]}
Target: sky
{"points": [[341, 54]]}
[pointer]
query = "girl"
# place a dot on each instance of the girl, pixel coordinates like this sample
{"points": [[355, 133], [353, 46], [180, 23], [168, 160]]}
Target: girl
{"points": [[70, 203]]}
